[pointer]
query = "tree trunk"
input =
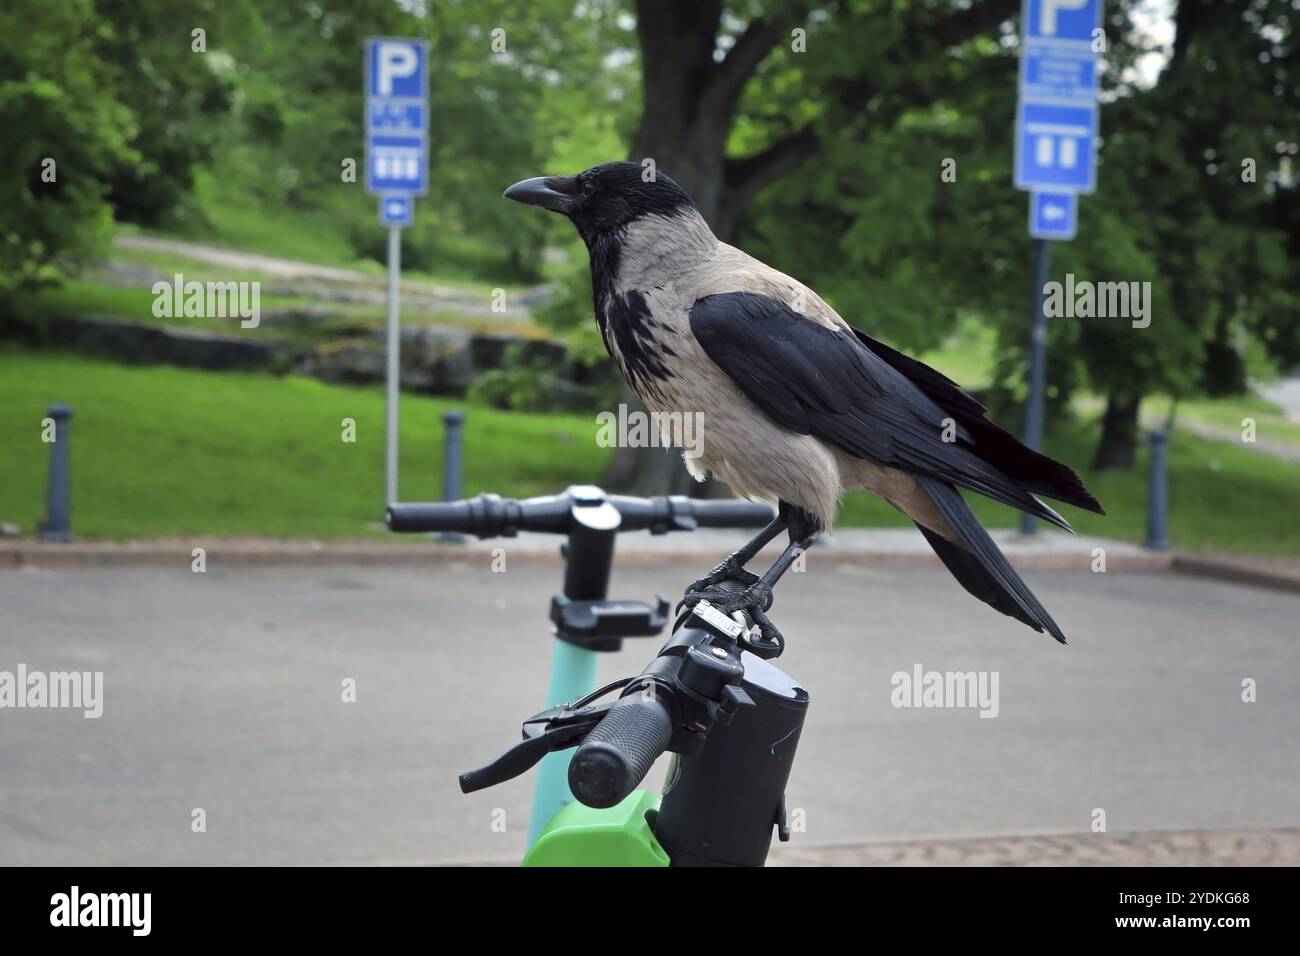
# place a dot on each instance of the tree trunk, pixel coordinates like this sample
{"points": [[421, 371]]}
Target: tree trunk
{"points": [[1225, 369], [1119, 434], [683, 128], [684, 132]]}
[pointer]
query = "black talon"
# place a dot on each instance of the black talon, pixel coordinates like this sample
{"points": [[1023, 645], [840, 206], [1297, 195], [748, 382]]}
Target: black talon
{"points": [[730, 568], [757, 597], [714, 596], [772, 644], [754, 599]]}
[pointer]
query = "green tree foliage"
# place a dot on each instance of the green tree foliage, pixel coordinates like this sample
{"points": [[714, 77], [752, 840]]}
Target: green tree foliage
{"points": [[56, 106], [114, 94], [172, 80], [503, 95], [1198, 173]]}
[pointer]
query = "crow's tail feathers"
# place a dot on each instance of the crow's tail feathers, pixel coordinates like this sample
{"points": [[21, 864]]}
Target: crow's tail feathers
{"points": [[978, 564]]}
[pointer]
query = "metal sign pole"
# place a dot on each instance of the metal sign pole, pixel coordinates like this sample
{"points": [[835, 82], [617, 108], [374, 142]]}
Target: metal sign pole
{"points": [[394, 357], [396, 84], [1057, 118], [1035, 407]]}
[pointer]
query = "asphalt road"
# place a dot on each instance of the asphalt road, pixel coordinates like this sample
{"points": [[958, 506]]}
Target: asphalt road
{"points": [[222, 691]]}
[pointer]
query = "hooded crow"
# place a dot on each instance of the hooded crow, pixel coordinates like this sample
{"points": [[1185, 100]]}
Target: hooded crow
{"points": [[797, 405]]}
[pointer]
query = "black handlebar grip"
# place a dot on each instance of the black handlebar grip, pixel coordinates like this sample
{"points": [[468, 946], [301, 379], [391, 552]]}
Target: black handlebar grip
{"points": [[620, 750], [732, 514], [484, 515], [432, 516]]}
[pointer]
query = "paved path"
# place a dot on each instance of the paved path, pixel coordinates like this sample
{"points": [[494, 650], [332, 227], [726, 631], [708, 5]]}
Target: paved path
{"points": [[222, 692], [430, 295], [1285, 392], [1276, 847], [1282, 450], [1265, 847]]}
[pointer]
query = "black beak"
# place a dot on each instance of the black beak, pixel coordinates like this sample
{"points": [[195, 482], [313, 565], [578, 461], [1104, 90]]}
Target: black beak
{"points": [[538, 192]]}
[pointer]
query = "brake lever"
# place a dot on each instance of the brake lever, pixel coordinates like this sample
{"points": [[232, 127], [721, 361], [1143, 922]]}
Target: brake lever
{"points": [[556, 729]]}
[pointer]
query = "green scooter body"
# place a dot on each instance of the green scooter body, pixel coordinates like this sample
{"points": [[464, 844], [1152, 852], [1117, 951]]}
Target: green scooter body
{"points": [[579, 835]]}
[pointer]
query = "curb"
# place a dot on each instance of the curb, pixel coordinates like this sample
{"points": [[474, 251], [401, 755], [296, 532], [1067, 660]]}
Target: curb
{"points": [[262, 552], [1278, 846], [1200, 848], [1259, 572], [1267, 572], [228, 553]]}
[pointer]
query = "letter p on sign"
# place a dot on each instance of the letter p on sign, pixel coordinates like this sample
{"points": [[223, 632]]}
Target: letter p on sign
{"points": [[396, 61], [1050, 8]]}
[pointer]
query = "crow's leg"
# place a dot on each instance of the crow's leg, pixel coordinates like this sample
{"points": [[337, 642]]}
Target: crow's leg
{"points": [[734, 565], [756, 599], [804, 528]]}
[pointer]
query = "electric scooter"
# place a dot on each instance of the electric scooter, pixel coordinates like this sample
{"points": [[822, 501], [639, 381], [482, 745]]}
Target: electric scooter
{"points": [[710, 696]]}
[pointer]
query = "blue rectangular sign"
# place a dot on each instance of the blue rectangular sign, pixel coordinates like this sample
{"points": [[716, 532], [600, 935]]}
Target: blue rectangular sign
{"points": [[1056, 147], [1056, 113], [397, 116], [1053, 215], [396, 210]]}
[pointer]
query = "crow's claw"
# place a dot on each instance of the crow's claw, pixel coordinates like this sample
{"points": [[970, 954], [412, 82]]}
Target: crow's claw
{"points": [[753, 601], [730, 568], [771, 643], [755, 598]]}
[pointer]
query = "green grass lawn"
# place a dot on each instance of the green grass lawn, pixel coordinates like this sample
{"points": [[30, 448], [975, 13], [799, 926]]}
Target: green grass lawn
{"points": [[159, 451], [967, 356]]}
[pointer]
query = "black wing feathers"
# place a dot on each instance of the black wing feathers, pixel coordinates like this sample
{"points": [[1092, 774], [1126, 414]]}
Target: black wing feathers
{"points": [[1031, 470], [884, 407], [876, 403]]}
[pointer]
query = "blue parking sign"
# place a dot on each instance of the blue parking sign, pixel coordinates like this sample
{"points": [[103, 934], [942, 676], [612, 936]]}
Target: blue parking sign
{"points": [[1053, 215], [1056, 112], [1052, 20], [1056, 147], [397, 120]]}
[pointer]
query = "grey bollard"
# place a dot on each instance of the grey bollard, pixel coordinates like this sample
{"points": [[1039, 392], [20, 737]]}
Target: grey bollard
{"points": [[453, 423], [1158, 492], [57, 523]]}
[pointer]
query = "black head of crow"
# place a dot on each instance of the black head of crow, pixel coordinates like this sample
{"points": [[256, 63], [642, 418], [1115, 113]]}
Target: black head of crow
{"points": [[797, 406]]}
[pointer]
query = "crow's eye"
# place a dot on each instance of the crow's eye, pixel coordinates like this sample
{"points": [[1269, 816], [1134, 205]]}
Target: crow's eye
{"points": [[588, 187]]}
